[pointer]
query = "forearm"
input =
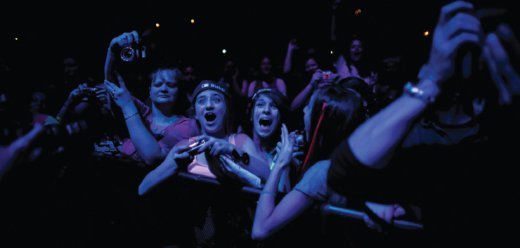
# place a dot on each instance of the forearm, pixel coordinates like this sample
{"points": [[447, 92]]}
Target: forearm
{"points": [[109, 66], [64, 110], [145, 143], [285, 182], [157, 176], [7, 157], [375, 140], [301, 98], [266, 202], [244, 175], [287, 65]]}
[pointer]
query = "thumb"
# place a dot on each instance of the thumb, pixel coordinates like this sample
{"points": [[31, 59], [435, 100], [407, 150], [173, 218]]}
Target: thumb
{"points": [[120, 80], [183, 155]]}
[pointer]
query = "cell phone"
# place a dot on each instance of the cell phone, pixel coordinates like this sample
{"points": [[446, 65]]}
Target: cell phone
{"points": [[195, 146]]}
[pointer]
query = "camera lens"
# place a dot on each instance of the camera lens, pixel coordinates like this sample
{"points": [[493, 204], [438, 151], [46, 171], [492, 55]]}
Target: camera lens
{"points": [[300, 139], [128, 54]]}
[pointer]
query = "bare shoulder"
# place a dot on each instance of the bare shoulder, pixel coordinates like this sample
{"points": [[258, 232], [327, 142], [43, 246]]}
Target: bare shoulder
{"points": [[242, 139]]}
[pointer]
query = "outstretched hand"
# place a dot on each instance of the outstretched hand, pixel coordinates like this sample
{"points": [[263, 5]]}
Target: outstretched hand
{"points": [[285, 154], [120, 93]]}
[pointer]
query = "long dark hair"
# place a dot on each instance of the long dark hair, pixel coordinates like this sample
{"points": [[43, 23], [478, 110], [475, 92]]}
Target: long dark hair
{"points": [[335, 113], [278, 98]]}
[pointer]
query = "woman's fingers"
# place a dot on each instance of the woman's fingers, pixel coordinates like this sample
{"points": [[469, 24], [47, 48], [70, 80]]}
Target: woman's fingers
{"points": [[120, 80], [297, 154]]}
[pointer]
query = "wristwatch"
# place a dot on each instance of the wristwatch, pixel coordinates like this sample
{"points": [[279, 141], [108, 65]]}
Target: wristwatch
{"points": [[416, 92]]}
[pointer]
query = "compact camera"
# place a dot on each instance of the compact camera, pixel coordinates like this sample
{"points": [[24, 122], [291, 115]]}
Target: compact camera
{"points": [[132, 53], [90, 91], [299, 140], [195, 146], [326, 75]]}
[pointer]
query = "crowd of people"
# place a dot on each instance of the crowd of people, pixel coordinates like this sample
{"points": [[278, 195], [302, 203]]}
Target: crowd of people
{"points": [[103, 165]]}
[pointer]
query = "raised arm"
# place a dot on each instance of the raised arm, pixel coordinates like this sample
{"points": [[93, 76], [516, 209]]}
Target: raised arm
{"points": [[375, 140], [112, 57], [287, 65], [145, 143], [270, 217], [304, 95]]}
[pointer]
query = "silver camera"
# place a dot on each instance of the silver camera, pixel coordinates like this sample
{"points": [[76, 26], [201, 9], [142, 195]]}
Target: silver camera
{"points": [[299, 140]]}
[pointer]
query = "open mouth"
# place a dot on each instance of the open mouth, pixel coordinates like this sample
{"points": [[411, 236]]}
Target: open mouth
{"points": [[210, 116], [265, 122]]}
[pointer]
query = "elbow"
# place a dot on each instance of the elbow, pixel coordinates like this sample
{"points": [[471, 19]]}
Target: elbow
{"points": [[152, 160], [257, 234], [142, 189], [261, 231], [149, 161]]}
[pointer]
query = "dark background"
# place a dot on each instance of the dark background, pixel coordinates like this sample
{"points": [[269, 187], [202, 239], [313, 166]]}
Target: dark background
{"points": [[48, 32]]}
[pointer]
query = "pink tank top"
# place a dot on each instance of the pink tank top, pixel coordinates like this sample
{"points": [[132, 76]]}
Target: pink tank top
{"points": [[198, 167]]}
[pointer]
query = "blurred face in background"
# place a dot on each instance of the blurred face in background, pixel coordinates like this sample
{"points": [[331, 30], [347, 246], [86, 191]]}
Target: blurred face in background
{"points": [[265, 66], [38, 102], [356, 50], [164, 88], [311, 66]]}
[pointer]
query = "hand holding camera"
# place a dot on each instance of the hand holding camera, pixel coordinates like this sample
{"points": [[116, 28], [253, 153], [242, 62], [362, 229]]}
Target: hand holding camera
{"points": [[128, 46], [321, 78], [177, 153], [194, 147]]}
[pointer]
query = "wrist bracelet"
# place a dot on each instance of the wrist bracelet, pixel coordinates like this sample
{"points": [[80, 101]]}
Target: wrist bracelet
{"points": [[418, 93]]}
